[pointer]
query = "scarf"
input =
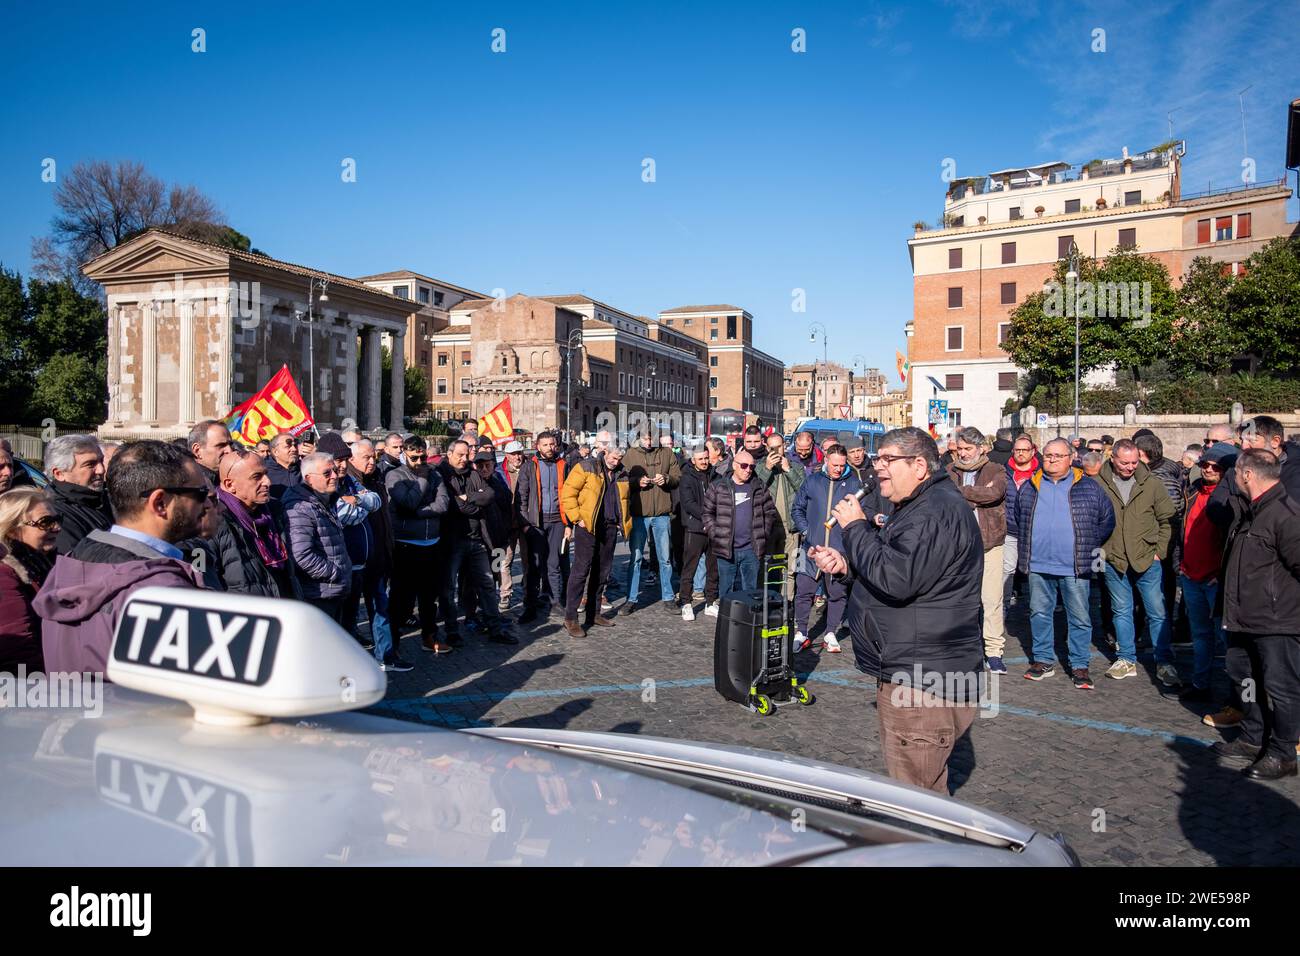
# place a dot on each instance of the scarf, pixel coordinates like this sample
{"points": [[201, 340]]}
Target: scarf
{"points": [[34, 564], [975, 465], [1021, 476], [270, 546]]}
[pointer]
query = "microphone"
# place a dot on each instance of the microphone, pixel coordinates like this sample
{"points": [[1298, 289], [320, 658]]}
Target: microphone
{"points": [[857, 494]]}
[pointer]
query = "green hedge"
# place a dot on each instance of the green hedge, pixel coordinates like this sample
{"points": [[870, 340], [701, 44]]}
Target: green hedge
{"points": [[1192, 395]]}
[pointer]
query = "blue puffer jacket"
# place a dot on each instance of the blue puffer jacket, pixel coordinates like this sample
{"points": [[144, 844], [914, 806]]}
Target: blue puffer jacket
{"points": [[812, 508], [320, 553], [1090, 512]]}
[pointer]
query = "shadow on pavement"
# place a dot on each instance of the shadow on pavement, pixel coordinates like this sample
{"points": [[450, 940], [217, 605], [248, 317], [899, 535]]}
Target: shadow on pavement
{"points": [[558, 718]]}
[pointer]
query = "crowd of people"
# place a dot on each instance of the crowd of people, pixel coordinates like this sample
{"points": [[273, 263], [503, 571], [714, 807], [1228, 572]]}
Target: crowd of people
{"points": [[912, 553]]}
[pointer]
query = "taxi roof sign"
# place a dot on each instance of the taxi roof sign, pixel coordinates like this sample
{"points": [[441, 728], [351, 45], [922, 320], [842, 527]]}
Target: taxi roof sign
{"points": [[238, 659]]}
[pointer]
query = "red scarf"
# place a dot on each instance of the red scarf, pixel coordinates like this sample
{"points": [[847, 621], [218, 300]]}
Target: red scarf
{"points": [[1021, 476]]}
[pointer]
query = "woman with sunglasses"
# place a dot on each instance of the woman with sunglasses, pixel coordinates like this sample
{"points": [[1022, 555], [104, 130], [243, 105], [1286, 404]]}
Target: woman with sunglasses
{"points": [[28, 530]]}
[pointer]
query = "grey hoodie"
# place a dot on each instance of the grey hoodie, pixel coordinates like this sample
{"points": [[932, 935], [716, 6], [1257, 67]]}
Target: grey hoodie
{"points": [[82, 599]]}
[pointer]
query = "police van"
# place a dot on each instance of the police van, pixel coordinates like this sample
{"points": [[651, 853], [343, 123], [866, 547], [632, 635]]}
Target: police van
{"points": [[231, 734], [841, 429]]}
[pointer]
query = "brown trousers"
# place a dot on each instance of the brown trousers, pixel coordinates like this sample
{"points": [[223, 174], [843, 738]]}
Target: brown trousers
{"points": [[917, 733]]}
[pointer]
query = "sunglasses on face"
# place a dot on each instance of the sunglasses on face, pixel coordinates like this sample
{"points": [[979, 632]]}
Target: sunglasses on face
{"points": [[1210, 466], [744, 465], [186, 491], [46, 523]]}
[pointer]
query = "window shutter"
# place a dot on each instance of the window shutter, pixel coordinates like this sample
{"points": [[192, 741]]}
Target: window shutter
{"points": [[1243, 225], [1203, 230]]}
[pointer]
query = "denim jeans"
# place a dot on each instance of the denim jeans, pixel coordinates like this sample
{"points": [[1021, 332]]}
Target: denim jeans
{"points": [[1148, 585], [381, 632], [1208, 638], [738, 574], [642, 528], [1043, 589]]}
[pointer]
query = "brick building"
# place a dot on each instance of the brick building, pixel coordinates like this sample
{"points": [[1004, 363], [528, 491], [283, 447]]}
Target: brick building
{"points": [[740, 375], [1005, 232], [196, 328]]}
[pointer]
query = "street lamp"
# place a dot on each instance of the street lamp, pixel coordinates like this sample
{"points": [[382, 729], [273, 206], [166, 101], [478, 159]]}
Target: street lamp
{"points": [[812, 337], [645, 395], [574, 340], [1072, 276], [312, 286]]}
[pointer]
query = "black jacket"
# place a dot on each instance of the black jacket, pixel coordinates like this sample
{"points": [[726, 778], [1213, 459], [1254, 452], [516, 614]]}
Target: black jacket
{"points": [[720, 517], [237, 566], [916, 600], [691, 496], [1001, 452], [282, 478], [385, 463], [417, 503], [476, 516], [81, 511], [1261, 583]]}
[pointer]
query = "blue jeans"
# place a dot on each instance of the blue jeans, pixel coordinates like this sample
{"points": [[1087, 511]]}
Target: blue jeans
{"points": [[1207, 631], [381, 632], [661, 528], [1149, 588], [738, 574], [698, 585], [1043, 589]]}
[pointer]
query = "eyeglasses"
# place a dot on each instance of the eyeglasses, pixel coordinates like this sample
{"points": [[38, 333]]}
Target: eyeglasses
{"points": [[187, 491], [1057, 457], [888, 460], [1210, 466], [743, 464], [46, 523]]}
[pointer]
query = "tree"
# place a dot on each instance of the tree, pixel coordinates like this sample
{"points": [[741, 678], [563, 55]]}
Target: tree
{"points": [[70, 389], [1264, 305], [416, 399], [1204, 338]]}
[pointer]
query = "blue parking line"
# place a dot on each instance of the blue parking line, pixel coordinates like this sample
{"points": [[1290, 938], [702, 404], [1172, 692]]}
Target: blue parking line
{"points": [[846, 677]]}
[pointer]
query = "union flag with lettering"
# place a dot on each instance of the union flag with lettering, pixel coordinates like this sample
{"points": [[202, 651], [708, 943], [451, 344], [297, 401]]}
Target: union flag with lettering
{"points": [[498, 424], [276, 407]]}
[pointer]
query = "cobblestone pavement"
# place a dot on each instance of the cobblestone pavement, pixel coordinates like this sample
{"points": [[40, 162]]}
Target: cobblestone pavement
{"points": [[1123, 771]]}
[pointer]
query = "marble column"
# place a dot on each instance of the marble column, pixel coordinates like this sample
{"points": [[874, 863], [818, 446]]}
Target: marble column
{"points": [[397, 405], [350, 409], [149, 362], [185, 318], [374, 374]]}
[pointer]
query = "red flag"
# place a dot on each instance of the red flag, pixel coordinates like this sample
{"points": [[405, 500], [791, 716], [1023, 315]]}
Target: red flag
{"points": [[498, 424], [276, 407]]}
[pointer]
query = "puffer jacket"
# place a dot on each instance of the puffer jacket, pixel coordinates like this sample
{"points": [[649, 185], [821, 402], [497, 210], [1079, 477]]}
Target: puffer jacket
{"points": [[584, 493], [1143, 527], [317, 545], [817, 496], [987, 497], [235, 560], [82, 599], [1173, 477], [282, 478], [656, 500], [1091, 515], [1261, 583], [528, 491], [720, 517], [416, 503], [476, 517], [914, 606], [691, 491], [80, 512]]}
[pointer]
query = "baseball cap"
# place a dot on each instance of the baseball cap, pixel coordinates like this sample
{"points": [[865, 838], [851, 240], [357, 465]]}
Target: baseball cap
{"points": [[332, 444], [485, 455], [512, 447]]}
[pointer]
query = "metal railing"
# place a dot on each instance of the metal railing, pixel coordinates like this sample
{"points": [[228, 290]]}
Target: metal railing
{"points": [[1234, 188]]}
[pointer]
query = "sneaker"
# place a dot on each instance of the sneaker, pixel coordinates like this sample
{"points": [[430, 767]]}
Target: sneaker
{"points": [[1082, 680], [605, 605], [435, 647], [831, 644], [996, 666], [800, 641], [688, 612], [1167, 674], [1121, 669], [1040, 671], [396, 665], [711, 610], [1228, 717]]}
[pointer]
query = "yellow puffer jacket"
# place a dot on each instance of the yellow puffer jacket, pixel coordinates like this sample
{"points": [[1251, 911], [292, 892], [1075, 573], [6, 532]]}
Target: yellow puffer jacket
{"points": [[584, 492]]}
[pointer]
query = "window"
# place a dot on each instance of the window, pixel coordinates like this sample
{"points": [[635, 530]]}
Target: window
{"points": [[802, 404], [1128, 239], [958, 222], [713, 361], [442, 359], [713, 381], [688, 321], [1222, 228], [1203, 230], [954, 297], [423, 294], [954, 336], [954, 418], [464, 358], [1063, 244], [464, 386], [713, 320], [424, 329], [668, 321], [504, 368], [442, 386], [1072, 205], [1006, 381], [713, 334], [954, 383], [438, 298], [1008, 293], [1133, 197], [1015, 213], [622, 384], [402, 291], [731, 326], [1243, 225], [1003, 329], [713, 401], [954, 258], [424, 357]]}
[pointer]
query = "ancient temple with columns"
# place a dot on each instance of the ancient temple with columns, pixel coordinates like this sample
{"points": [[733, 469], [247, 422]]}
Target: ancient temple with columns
{"points": [[196, 328]]}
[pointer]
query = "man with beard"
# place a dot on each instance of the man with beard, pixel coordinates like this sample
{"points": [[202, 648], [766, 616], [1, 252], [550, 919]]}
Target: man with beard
{"points": [[282, 464], [417, 504], [75, 465], [983, 483], [160, 497], [542, 518], [467, 529], [783, 482], [596, 495], [511, 464]]}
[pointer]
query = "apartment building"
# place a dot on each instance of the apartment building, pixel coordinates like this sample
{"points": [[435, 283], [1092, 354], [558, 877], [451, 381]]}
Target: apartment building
{"points": [[740, 376], [1003, 234]]}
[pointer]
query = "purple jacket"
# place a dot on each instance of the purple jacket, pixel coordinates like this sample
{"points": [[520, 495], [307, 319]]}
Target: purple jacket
{"points": [[82, 599]]}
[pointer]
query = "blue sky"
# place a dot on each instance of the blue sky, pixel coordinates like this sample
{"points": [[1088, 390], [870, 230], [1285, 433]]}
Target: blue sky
{"points": [[522, 170]]}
